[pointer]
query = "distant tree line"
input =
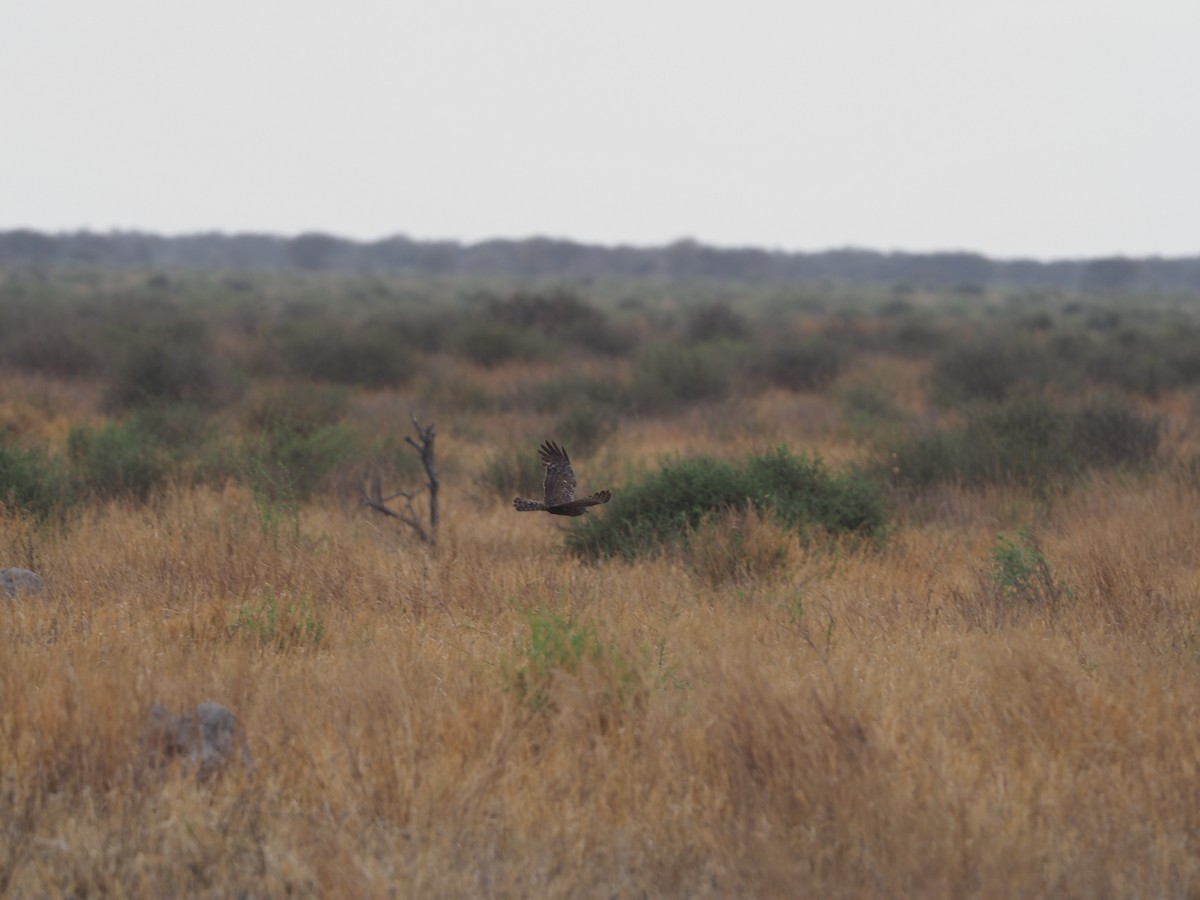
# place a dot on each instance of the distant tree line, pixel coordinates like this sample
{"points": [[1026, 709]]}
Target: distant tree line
{"points": [[549, 258]]}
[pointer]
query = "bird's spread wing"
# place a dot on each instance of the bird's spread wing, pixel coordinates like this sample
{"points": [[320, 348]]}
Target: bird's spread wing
{"points": [[520, 504], [595, 500], [560, 477]]}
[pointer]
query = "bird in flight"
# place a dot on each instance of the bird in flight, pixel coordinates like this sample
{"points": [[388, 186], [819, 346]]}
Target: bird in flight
{"points": [[560, 487]]}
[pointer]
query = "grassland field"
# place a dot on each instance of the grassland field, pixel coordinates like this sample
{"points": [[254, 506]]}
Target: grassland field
{"points": [[993, 693]]}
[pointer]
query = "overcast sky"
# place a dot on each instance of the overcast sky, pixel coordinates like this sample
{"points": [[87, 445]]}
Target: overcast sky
{"points": [[1045, 128]]}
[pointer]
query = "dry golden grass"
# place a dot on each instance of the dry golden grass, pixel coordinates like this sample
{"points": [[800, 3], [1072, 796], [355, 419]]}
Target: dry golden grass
{"points": [[763, 719], [750, 716]]}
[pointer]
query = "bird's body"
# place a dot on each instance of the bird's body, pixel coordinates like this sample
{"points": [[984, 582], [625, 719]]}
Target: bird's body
{"points": [[559, 487]]}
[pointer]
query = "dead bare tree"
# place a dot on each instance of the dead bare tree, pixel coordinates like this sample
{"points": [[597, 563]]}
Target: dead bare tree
{"points": [[423, 445]]}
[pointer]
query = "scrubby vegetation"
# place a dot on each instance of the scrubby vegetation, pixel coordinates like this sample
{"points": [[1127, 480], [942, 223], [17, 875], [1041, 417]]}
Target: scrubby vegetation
{"points": [[666, 506], [1031, 443], [896, 593]]}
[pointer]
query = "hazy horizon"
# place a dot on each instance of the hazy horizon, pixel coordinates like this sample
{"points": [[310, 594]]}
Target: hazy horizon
{"points": [[602, 245], [1016, 130]]}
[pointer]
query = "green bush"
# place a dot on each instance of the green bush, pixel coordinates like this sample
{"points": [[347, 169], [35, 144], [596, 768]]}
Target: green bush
{"points": [[118, 460], [662, 510], [170, 365], [407, 332], [299, 436], [302, 408], [1106, 433], [802, 366], [1137, 369], [559, 646], [668, 377], [1147, 361], [983, 369], [366, 356], [282, 627], [490, 343], [916, 336], [52, 348], [552, 311], [563, 316], [802, 493], [31, 482], [715, 321], [1029, 442], [181, 428], [1021, 572], [286, 463], [150, 374]]}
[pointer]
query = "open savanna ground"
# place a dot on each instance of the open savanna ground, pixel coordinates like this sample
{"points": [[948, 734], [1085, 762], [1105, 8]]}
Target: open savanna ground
{"points": [[972, 670]]}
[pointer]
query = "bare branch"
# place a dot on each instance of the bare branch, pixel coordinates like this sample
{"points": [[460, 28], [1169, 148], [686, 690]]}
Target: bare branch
{"points": [[407, 495], [425, 451], [376, 501], [408, 518]]}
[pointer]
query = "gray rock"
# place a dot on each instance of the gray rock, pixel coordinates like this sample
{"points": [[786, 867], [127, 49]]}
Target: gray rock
{"points": [[205, 740], [15, 581]]}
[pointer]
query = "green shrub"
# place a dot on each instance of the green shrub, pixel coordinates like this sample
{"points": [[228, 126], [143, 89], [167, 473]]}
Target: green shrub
{"points": [[149, 374], [802, 366], [406, 332], [304, 409], [1106, 433], [798, 492], [269, 624], [801, 493], [158, 371], [366, 356], [561, 315], [1028, 442], [917, 336], [287, 463], [1021, 572], [296, 438], [1147, 361], [559, 646], [118, 460], [716, 321], [550, 311], [987, 369], [489, 343], [181, 428], [1139, 370], [31, 482], [669, 377], [52, 348]]}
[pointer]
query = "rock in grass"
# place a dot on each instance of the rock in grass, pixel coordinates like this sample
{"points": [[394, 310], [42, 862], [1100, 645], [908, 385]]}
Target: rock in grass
{"points": [[19, 581], [205, 740]]}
